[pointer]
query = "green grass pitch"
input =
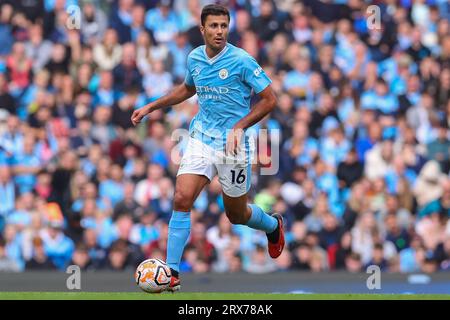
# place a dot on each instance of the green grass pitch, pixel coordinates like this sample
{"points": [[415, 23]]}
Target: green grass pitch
{"points": [[209, 296]]}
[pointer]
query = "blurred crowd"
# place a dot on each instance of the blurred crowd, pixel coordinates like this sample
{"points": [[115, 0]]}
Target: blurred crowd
{"points": [[362, 120]]}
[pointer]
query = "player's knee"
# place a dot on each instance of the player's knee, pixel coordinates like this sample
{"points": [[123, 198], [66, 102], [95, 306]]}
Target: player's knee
{"points": [[182, 201], [236, 218]]}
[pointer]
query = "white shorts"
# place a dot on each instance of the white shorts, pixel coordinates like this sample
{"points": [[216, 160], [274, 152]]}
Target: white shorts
{"points": [[234, 172]]}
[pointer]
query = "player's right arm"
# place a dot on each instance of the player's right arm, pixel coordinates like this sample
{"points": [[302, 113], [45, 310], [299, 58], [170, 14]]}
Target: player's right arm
{"points": [[180, 93]]}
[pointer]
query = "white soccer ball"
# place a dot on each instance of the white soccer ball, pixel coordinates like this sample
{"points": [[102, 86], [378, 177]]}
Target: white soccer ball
{"points": [[153, 275]]}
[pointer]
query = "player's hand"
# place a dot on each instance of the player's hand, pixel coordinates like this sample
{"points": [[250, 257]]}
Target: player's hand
{"points": [[234, 141], [139, 114]]}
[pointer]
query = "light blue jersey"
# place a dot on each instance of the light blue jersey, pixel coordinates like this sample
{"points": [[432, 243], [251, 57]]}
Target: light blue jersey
{"points": [[224, 85]]}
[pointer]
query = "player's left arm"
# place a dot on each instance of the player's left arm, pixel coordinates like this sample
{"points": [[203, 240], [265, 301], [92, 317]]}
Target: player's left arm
{"points": [[265, 105], [267, 102]]}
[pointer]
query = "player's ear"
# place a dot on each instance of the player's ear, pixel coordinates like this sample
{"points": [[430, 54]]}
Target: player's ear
{"points": [[202, 30]]}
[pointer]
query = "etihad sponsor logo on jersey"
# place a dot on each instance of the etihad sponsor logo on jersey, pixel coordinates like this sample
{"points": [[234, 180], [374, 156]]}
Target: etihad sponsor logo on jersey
{"points": [[208, 89]]}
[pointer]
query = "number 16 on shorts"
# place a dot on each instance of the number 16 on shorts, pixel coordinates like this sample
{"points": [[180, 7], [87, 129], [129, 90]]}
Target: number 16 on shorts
{"points": [[239, 179]]}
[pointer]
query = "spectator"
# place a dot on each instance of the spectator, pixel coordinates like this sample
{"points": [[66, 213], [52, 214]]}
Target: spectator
{"points": [[81, 257], [439, 149], [157, 82], [39, 260], [353, 263], [411, 258], [37, 48], [6, 263], [7, 102], [148, 189], [122, 111], [107, 54], [59, 60], [121, 18], [220, 235], [260, 262], [349, 170], [163, 21], [163, 204], [270, 20], [206, 251], [26, 165], [19, 67], [112, 189], [342, 251], [395, 233], [6, 35], [302, 257], [117, 257], [97, 255], [57, 246], [94, 22], [128, 204], [145, 232], [318, 261], [126, 74], [440, 205], [330, 235], [191, 261], [8, 192], [428, 186]]}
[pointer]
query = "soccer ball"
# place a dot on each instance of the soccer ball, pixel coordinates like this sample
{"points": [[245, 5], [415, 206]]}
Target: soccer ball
{"points": [[153, 275]]}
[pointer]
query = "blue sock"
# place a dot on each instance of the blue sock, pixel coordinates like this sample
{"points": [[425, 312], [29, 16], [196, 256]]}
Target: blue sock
{"points": [[261, 221], [179, 230]]}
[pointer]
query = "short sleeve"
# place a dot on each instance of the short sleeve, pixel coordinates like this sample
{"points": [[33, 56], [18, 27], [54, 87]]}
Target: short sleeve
{"points": [[254, 75], [188, 78]]}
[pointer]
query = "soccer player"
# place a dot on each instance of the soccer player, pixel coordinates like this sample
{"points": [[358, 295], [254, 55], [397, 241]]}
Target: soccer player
{"points": [[223, 77]]}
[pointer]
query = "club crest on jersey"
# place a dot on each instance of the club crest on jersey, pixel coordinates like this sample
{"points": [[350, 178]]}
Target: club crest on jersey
{"points": [[223, 74]]}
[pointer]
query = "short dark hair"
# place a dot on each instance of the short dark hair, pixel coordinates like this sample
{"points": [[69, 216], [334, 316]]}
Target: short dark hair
{"points": [[214, 10]]}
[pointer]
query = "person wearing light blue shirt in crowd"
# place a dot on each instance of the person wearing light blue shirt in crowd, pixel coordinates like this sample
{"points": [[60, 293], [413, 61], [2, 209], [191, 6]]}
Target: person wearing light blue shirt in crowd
{"points": [[57, 246], [296, 81], [179, 49], [301, 146], [104, 93], [163, 22], [19, 217], [145, 232], [7, 193], [13, 240], [112, 188], [104, 227], [405, 69], [380, 99], [396, 173], [334, 147], [11, 141], [327, 182], [89, 192], [410, 257], [26, 165], [6, 34], [157, 82], [346, 105]]}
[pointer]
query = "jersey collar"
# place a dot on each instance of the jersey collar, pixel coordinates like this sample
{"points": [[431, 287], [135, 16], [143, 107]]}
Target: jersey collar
{"points": [[217, 56]]}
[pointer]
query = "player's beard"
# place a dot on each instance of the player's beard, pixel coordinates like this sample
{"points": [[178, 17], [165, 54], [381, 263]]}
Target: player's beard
{"points": [[217, 46]]}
